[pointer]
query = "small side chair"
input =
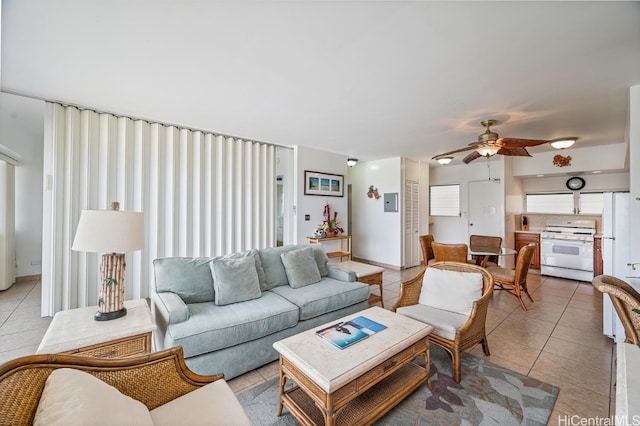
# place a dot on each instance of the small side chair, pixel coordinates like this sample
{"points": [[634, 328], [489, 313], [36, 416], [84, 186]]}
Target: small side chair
{"points": [[514, 281], [425, 245], [625, 299], [450, 252]]}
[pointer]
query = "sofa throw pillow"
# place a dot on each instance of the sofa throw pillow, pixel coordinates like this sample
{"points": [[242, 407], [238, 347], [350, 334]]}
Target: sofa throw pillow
{"points": [[235, 280], [321, 259], [452, 291], [274, 272], [251, 253], [190, 278], [301, 268], [73, 397]]}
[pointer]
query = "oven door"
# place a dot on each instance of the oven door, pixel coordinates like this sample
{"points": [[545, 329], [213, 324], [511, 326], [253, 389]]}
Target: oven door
{"points": [[567, 254]]}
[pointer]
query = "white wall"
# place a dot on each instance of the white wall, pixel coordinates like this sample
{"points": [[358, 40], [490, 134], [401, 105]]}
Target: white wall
{"points": [[377, 236], [313, 205], [456, 229], [593, 182], [605, 157], [26, 139], [634, 170]]}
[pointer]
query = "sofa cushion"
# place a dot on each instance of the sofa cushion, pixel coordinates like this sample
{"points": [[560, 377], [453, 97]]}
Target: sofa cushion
{"points": [[73, 397], [321, 258], [249, 253], [453, 291], [235, 280], [325, 296], [274, 272], [213, 404], [211, 327], [300, 267], [188, 277], [445, 323]]}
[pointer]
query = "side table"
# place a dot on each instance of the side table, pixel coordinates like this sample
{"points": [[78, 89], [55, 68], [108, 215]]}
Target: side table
{"points": [[75, 332], [368, 274]]}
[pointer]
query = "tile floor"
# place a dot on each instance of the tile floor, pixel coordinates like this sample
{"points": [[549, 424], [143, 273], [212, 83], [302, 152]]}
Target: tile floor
{"points": [[558, 340]]}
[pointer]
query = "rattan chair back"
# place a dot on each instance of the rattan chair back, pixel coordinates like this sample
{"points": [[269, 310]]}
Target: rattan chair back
{"points": [[487, 241], [514, 282], [625, 299], [450, 252], [425, 245]]}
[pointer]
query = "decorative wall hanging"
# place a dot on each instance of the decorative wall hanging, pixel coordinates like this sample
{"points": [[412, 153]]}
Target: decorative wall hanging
{"points": [[561, 161], [373, 192], [318, 183]]}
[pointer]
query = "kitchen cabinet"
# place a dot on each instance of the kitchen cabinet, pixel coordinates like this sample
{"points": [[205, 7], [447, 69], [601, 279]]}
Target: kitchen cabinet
{"points": [[524, 238], [597, 256]]}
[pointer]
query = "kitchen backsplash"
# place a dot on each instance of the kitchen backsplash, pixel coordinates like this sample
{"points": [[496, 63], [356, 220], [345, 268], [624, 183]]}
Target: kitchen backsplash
{"points": [[537, 222]]}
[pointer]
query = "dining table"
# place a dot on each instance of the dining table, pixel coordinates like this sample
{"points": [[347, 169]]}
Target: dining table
{"points": [[481, 253]]}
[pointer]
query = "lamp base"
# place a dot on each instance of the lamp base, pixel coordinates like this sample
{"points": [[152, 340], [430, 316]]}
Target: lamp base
{"points": [[107, 316]]}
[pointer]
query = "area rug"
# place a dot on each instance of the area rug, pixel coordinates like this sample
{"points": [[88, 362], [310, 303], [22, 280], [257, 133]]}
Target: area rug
{"points": [[487, 395]]}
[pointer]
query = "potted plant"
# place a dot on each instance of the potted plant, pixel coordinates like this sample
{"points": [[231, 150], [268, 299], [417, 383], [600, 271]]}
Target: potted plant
{"points": [[330, 224]]}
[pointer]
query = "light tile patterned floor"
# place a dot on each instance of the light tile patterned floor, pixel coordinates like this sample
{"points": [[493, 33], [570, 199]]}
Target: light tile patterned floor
{"points": [[558, 340]]}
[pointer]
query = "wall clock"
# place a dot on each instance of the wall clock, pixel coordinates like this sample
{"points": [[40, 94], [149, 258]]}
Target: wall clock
{"points": [[575, 183]]}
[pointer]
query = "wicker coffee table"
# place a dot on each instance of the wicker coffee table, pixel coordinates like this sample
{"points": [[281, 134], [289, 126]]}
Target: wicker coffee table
{"points": [[358, 384]]}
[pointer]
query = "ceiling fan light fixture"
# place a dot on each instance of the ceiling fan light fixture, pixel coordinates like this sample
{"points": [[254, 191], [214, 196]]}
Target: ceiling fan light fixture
{"points": [[487, 150], [352, 162], [563, 143], [444, 160]]}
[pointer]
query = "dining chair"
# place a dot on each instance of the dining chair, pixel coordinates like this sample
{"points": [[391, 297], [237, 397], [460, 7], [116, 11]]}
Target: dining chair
{"points": [[514, 281], [453, 298], [427, 251], [485, 241], [625, 299], [450, 252]]}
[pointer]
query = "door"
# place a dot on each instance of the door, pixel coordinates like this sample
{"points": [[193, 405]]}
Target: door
{"points": [[486, 211], [412, 251]]}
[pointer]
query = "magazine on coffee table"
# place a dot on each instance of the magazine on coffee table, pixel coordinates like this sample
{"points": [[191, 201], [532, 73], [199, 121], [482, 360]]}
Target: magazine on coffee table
{"points": [[344, 334]]}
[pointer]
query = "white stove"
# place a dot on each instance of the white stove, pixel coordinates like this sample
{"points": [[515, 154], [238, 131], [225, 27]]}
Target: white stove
{"points": [[566, 249]]}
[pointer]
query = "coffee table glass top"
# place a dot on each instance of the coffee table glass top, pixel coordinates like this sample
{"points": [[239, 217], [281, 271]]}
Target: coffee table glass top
{"points": [[331, 368]]}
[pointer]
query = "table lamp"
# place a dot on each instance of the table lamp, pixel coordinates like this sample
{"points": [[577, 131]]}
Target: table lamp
{"points": [[112, 233]]}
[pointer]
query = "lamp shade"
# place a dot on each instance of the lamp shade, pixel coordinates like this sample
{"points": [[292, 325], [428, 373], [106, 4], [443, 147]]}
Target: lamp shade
{"points": [[487, 150], [109, 231], [562, 143]]}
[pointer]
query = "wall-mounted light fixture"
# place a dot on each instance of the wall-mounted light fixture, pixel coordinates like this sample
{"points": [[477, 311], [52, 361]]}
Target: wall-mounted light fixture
{"points": [[444, 160], [563, 143], [352, 162]]}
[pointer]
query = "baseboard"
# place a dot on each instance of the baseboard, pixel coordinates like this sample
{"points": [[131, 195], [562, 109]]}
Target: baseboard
{"points": [[36, 277]]}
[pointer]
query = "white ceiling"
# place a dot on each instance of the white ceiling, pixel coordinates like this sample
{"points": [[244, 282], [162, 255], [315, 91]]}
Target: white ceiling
{"points": [[367, 79]]}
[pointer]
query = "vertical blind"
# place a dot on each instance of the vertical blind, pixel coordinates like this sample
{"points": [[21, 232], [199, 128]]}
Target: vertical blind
{"points": [[201, 194]]}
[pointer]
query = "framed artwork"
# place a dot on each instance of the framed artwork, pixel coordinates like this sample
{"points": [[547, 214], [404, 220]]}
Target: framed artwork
{"points": [[317, 183]]}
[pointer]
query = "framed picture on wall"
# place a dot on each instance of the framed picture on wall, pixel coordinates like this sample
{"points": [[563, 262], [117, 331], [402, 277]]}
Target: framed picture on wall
{"points": [[318, 183]]}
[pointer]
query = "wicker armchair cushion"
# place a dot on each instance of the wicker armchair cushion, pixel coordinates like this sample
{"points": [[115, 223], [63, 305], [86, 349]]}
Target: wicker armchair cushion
{"points": [[300, 267], [203, 405], [74, 397], [452, 291], [445, 323], [235, 280]]}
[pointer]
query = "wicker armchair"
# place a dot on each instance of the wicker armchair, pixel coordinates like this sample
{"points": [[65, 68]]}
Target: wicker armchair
{"points": [[427, 251], [153, 379], [472, 331], [625, 299], [483, 242], [450, 252], [514, 281]]}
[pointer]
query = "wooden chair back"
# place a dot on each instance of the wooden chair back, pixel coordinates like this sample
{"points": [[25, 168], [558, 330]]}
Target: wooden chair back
{"points": [[486, 241], [425, 245], [522, 263], [625, 299], [450, 252]]}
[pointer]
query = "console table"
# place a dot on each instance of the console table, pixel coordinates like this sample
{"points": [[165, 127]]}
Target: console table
{"points": [[75, 332], [345, 246]]}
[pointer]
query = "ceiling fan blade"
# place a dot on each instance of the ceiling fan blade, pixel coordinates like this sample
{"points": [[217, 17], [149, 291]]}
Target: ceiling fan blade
{"points": [[469, 158], [467, 148], [516, 151], [514, 142]]}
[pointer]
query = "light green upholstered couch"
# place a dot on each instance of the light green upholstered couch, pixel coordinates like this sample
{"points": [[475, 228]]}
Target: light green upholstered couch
{"points": [[227, 312]]}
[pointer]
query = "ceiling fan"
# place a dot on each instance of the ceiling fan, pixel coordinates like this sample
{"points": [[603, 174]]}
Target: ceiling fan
{"points": [[489, 143]]}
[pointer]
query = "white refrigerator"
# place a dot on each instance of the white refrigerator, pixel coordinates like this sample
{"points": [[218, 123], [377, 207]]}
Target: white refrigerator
{"points": [[616, 256]]}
